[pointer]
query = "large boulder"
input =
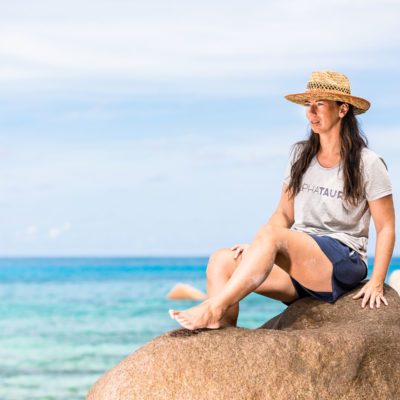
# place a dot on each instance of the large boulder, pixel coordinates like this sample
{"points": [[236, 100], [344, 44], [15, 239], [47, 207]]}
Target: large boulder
{"points": [[312, 350]]}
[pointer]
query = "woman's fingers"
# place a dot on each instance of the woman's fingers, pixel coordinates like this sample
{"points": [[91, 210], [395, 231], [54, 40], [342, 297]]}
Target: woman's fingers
{"points": [[358, 295], [378, 302], [372, 300], [238, 253], [371, 296], [367, 295], [380, 298], [239, 248]]}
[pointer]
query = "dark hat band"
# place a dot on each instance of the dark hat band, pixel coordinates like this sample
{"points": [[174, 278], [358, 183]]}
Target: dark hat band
{"points": [[327, 86]]}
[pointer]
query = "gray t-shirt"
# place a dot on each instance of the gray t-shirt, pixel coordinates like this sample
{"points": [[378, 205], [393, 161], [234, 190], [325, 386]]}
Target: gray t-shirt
{"points": [[320, 208]]}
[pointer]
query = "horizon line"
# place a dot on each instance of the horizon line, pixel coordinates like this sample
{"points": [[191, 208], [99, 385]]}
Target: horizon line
{"points": [[3, 257]]}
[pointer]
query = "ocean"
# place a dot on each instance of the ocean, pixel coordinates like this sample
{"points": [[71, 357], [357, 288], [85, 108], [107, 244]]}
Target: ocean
{"points": [[65, 321]]}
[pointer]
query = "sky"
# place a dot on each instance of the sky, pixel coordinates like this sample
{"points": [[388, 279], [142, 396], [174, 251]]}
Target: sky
{"points": [[156, 128]]}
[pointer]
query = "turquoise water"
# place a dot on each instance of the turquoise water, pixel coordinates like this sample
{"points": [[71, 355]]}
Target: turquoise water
{"points": [[64, 322]]}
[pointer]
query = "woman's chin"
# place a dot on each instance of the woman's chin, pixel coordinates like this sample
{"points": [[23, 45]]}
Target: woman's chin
{"points": [[315, 129]]}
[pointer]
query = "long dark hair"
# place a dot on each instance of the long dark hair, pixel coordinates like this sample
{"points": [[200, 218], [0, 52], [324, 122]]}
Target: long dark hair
{"points": [[352, 141]]}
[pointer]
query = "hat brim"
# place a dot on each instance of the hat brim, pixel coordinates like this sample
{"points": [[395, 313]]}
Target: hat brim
{"points": [[360, 105]]}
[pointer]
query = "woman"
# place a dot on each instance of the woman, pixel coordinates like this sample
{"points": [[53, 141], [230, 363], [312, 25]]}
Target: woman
{"points": [[315, 242]]}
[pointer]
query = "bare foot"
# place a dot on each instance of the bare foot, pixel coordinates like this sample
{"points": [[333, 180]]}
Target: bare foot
{"points": [[202, 316]]}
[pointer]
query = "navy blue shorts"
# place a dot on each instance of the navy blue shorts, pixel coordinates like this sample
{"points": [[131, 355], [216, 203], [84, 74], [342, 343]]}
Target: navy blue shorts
{"points": [[348, 270]]}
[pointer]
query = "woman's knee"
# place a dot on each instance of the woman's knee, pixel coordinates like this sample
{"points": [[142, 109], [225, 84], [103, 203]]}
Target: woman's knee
{"points": [[221, 262]]}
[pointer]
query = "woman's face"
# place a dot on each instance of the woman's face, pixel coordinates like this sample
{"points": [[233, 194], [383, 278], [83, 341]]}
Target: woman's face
{"points": [[324, 116]]}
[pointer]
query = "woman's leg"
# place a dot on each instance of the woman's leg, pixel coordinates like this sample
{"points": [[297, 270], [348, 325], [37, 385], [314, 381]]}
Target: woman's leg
{"points": [[295, 252], [221, 267]]}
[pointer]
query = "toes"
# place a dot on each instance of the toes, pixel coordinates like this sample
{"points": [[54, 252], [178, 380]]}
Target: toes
{"points": [[173, 314], [184, 323], [178, 318], [182, 320]]}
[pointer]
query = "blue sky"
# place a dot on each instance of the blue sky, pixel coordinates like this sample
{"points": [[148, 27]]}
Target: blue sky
{"points": [[160, 128]]}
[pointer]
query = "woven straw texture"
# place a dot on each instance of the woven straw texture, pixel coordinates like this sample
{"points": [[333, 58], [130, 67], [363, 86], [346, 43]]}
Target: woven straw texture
{"points": [[330, 85]]}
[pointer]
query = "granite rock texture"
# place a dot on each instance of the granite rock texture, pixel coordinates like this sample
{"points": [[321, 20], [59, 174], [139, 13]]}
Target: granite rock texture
{"points": [[313, 350]]}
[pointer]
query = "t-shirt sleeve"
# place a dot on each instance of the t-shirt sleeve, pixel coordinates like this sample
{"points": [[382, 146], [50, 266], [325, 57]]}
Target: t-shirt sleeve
{"points": [[377, 180], [292, 158]]}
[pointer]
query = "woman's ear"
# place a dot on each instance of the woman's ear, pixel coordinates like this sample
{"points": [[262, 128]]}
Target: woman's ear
{"points": [[343, 110]]}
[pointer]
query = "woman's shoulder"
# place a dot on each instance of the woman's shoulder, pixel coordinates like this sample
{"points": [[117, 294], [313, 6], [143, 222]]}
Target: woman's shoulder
{"points": [[376, 175], [369, 154], [296, 149], [371, 158]]}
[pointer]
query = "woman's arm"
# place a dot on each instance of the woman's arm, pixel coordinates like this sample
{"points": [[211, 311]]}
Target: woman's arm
{"points": [[284, 213], [283, 217], [382, 211]]}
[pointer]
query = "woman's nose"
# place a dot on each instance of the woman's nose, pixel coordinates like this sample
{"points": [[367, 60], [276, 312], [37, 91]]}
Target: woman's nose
{"points": [[311, 109]]}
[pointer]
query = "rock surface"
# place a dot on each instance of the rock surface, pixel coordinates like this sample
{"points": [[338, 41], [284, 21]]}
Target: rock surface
{"points": [[182, 291], [394, 280], [313, 350]]}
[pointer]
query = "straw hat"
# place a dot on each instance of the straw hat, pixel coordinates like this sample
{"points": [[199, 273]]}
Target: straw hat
{"points": [[330, 85]]}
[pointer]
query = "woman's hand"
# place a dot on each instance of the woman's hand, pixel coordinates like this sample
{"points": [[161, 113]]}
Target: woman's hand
{"points": [[372, 291], [239, 249]]}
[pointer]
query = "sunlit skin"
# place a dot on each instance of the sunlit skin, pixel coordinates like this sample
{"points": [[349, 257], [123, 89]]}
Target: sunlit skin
{"points": [[324, 117], [277, 251]]}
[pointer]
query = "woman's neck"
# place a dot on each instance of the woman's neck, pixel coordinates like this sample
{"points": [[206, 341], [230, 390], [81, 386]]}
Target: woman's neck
{"points": [[329, 146]]}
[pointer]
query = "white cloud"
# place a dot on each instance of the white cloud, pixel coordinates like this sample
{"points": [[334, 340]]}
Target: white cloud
{"points": [[27, 235], [183, 39], [31, 230], [57, 231], [133, 162]]}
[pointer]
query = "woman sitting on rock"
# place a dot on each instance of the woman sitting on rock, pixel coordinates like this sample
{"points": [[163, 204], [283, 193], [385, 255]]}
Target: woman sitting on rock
{"points": [[315, 243]]}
